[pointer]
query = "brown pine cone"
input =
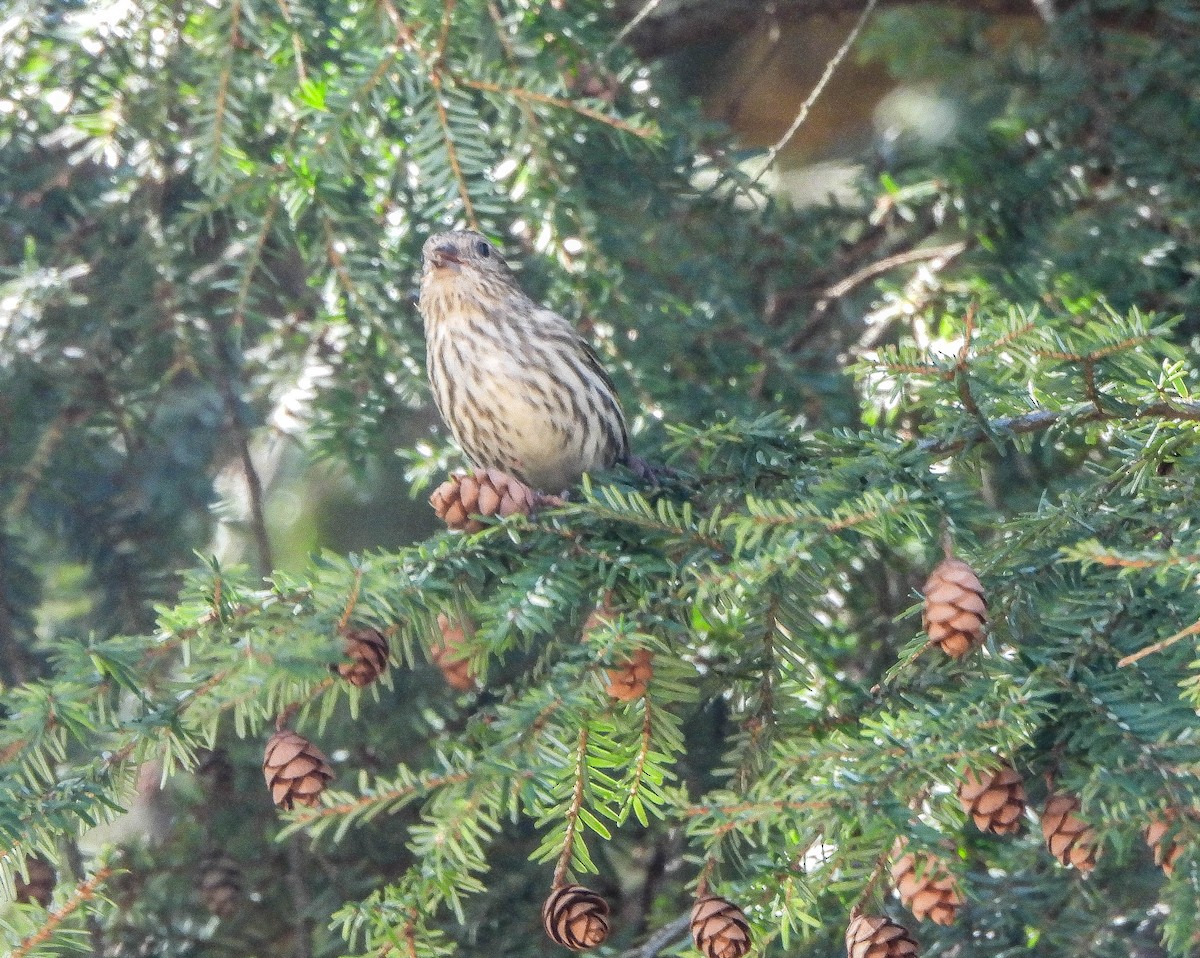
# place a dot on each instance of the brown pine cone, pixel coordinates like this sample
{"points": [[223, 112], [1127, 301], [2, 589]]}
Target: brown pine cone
{"points": [[927, 888], [296, 771], [1070, 839], [486, 493], [719, 928], [449, 657], [994, 799], [955, 609], [875, 936], [575, 917], [1166, 849], [629, 680], [367, 650], [221, 884], [40, 886]]}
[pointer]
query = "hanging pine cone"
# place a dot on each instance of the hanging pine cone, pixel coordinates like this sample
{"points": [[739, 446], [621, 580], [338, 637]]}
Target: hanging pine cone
{"points": [[1070, 839], [486, 493], [927, 888], [875, 936], [575, 917], [296, 771], [719, 928], [367, 650], [995, 799], [955, 609], [220, 884], [448, 655], [1166, 849], [39, 887], [629, 680]]}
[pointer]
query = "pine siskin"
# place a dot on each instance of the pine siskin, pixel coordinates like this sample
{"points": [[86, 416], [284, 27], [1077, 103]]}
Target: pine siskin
{"points": [[520, 390]]}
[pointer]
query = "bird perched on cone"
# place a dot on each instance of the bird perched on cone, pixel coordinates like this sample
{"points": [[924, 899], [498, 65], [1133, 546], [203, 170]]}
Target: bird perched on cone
{"points": [[520, 389]]}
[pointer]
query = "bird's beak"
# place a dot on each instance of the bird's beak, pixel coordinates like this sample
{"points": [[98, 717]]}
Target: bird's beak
{"points": [[443, 256]]}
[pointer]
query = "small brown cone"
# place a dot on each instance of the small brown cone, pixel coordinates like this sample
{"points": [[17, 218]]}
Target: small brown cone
{"points": [[296, 771], [1070, 839], [629, 680], [994, 799], [40, 886], [367, 650], [449, 656], [719, 928], [575, 917], [927, 888], [875, 936], [220, 885], [1166, 846], [955, 609], [486, 493]]}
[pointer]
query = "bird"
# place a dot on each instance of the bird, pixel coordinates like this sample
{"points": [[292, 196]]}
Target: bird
{"points": [[519, 388]]}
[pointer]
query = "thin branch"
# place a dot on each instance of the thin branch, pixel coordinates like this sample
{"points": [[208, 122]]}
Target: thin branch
{"points": [[647, 9], [84, 892], [830, 68], [816, 318], [1193, 629], [572, 816], [1044, 419], [666, 936], [562, 104]]}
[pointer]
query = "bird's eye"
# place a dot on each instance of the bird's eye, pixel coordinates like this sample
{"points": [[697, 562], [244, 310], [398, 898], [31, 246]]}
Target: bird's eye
{"points": [[483, 249]]}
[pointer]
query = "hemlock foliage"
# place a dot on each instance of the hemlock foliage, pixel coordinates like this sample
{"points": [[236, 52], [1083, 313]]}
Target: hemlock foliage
{"points": [[211, 218]]}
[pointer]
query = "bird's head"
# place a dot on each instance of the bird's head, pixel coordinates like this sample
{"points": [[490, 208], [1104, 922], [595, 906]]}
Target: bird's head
{"points": [[459, 251]]}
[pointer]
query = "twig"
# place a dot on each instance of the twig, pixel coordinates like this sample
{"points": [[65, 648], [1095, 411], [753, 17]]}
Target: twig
{"points": [[1193, 629], [830, 68], [664, 937], [564, 860], [1044, 419], [521, 94], [941, 254], [633, 24], [84, 892]]}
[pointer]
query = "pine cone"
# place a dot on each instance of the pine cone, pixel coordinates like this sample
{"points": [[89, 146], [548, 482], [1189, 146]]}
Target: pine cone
{"points": [[875, 936], [719, 928], [221, 884], [629, 680], [486, 493], [994, 799], [296, 771], [927, 888], [40, 886], [575, 917], [448, 655], [1166, 849], [1070, 839], [367, 650], [955, 609]]}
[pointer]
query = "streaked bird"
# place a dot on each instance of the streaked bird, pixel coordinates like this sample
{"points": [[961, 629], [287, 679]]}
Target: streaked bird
{"points": [[519, 388]]}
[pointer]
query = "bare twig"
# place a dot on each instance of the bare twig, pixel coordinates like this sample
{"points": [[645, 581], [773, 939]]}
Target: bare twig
{"points": [[647, 9], [1193, 629], [532, 95], [830, 68], [666, 936], [817, 317]]}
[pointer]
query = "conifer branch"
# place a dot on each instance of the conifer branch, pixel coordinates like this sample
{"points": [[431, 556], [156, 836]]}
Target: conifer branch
{"points": [[84, 892]]}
